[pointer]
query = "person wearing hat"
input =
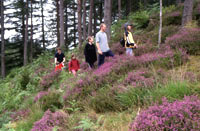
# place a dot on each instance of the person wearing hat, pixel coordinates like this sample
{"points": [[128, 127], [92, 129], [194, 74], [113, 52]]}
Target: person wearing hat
{"points": [[128, 37]]}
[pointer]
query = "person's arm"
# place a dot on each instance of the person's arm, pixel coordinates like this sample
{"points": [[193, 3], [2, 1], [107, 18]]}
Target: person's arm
{"points": [[125, 39], [98, 49], [55, 60], [97, 44], [63, 60], [132, 41]]}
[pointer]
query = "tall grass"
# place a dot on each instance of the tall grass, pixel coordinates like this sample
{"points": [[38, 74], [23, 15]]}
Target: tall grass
{"points": [[26, 124], [144, 97], [172, 91]]}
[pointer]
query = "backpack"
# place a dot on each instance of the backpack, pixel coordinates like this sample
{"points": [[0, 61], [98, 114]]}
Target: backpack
{"points": [[122, 42]]}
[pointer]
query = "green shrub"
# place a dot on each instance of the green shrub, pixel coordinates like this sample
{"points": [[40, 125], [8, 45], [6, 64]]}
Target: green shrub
{"points": [[167, 31], [144, 97], [169, 9], [173, 18], [186, 38], [12, 97], [140, 19], [172, 91], [24, 79], [51, 101], [5, 118], [105, 101], [153, 8], [133, 97], [73, 106], [172, 15], [26, 125], [118, 30], [88, 124]]}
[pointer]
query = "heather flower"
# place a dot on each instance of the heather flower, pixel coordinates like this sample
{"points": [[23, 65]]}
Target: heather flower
{"points": [[140, 78], [117, 48], [142, 49], [119, 89], [94, 93], [40, 95], [190, 76], [179, 115], [49, 121], [174, 14], [104, 69], [183, 54], [20, 114], [183, 35], [48, 79], [186, 38], [84, 66], [122, 64], [71, 92]]}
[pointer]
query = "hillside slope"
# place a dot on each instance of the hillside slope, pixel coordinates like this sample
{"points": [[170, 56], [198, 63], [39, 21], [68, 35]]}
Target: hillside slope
{"points": [[109, 98]]}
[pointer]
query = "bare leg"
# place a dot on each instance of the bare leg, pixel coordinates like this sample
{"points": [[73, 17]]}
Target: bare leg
{"points": [[74, 72]]}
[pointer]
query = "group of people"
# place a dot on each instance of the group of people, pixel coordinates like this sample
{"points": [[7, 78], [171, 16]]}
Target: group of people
{"points": [[73, 65], [90, 50]]}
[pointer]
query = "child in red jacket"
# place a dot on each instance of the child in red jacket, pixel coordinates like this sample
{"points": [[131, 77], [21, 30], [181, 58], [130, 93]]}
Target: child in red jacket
{"points": [[74, 65]]}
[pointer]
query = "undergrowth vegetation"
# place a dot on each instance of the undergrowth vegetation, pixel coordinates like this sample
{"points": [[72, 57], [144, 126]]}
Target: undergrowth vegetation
{"points": [[124, 89]]}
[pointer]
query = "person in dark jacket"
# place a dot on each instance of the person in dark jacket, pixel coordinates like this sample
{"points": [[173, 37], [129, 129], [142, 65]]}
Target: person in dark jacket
{"points": [[90, 52], [59, 59]]}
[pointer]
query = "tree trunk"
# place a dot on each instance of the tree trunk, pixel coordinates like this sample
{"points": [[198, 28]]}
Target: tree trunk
{"points": [[178, 2], [119, 9], [95, 20], [43, 37], [26, 37], [3, 70], [74, 15], [23, 22], [79, 22], [31, 41], [84, 20], [145, 3], [160, 28], [66, 25], [90, 17], [107, 16], [128, 7], [58, 23], [187, 12], [62, 42], [101, 11]]}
